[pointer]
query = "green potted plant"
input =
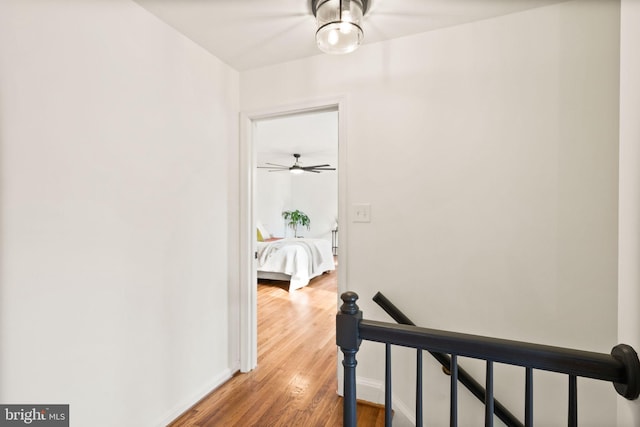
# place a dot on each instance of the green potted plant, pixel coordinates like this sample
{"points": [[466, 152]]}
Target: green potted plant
{"points": [[296, 218]]}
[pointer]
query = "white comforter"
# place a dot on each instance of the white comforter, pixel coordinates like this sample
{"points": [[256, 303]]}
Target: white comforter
{"points": [[302, 259]]}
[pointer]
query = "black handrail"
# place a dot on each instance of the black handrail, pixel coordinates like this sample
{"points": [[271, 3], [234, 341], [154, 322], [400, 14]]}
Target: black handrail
{"points": [[463, 376], [621, 367], [579, 363]]}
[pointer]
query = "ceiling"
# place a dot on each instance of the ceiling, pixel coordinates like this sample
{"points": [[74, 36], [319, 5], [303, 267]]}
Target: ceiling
{"points": [[249, 34], [313, 135]]}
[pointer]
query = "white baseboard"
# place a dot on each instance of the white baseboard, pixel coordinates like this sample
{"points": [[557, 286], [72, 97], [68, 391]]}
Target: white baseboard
{"points": [[403, 416], [372, 391], [187, 403]]}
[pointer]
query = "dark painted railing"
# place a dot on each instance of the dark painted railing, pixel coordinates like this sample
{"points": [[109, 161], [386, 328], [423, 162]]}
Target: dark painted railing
{"points": [[461, 375], [621, 367]]}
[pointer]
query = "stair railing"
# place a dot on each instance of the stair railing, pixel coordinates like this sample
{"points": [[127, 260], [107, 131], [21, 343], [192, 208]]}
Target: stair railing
{"points": [[621, 367], [463, 377]]}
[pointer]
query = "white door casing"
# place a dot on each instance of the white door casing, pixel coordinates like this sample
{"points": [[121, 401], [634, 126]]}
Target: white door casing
{"points": [[248, 322]]}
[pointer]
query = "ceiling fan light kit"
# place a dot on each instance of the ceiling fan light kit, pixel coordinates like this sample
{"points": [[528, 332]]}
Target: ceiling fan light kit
{"points": [[339, 24]]}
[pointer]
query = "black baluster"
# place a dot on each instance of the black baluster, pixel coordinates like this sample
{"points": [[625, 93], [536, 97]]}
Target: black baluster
{"points": [[488, 405], [387, 387], [419, 387], [453, 369], [528, 398], [573, 401]]}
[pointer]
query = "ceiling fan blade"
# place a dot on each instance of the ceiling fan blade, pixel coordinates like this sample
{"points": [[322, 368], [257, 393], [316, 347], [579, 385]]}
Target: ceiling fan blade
{"points": [[320, 169], [278, 170], [271, 167], [315, 166], [275, 164]]}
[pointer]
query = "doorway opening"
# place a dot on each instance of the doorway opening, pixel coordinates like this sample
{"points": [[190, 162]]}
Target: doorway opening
{"points": [[273, 136]]}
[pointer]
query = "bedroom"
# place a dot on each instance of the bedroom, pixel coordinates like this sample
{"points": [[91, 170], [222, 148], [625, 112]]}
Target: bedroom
{"points": [[314, 137]]}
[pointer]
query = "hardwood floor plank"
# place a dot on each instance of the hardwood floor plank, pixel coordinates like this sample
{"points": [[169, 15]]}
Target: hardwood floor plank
{"points": [[295, 382]]}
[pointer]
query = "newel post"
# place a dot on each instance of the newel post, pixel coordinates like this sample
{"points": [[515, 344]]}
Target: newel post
{"points": [[347, 323]]}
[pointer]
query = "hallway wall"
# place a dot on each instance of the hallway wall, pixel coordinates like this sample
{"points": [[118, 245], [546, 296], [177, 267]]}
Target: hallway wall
{"points": [[116, 212], [488, 152]]}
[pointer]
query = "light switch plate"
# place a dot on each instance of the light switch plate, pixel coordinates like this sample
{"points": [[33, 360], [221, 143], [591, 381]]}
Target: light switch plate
{"points": [[361, 212]]}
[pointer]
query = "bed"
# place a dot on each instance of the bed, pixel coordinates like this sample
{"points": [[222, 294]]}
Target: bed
{"points": [[296, 260]]}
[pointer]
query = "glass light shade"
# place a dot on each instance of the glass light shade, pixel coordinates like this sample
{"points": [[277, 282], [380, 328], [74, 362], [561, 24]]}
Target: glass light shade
{"points": [[339, 28], [296, 171]]}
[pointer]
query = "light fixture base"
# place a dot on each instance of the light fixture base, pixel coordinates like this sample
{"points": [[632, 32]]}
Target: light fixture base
{"points": [[314, 6]]}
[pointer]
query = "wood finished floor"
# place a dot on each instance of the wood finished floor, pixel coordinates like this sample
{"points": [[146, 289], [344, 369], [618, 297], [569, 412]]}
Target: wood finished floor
{"points": [[295, 381]]}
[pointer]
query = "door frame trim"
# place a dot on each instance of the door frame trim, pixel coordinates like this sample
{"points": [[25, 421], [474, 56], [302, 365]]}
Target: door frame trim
{"points": [[248, 319]]}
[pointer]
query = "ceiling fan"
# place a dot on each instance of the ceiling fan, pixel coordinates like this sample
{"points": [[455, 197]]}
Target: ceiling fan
{"points": [[297, 167]]}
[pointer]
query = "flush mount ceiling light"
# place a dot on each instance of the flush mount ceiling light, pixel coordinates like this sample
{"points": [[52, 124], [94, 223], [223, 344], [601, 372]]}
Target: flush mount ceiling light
{"points": [[339, 24]]}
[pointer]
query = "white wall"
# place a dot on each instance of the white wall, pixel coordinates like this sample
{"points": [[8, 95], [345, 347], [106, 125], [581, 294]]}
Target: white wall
{"points": [[317, 195], [489, 155], [314, 194], [629, 231], [272, 196], [115, 139]]}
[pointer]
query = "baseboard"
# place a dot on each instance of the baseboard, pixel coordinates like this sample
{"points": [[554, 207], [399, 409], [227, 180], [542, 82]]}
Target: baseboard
{"points": [[403, 416], [370, 390], [187, 403]]}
